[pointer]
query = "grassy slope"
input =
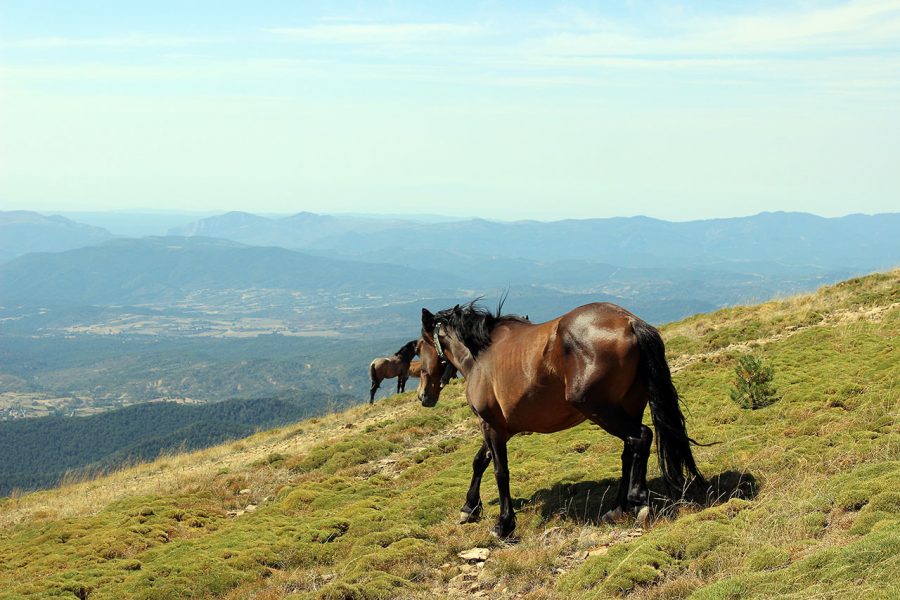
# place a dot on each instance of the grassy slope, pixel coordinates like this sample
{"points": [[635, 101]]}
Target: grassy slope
{"points": [[363, 503]]}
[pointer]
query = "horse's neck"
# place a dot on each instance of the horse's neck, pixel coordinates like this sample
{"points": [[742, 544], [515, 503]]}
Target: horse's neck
{"points": [[462, 359], [466, 366]]}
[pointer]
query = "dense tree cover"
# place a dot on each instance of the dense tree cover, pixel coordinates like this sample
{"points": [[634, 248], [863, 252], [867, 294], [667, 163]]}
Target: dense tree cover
{"points": [[36, 453]]}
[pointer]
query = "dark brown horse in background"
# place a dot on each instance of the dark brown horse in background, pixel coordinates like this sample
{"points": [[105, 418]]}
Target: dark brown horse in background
{"points": [[598, 362], [388, 367]]}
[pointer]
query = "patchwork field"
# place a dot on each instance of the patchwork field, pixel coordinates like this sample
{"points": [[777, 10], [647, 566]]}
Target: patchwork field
{"points": [[804, 500]]}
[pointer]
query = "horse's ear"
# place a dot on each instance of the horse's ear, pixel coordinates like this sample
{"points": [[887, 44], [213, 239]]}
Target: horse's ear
{"points": [[457, 310], [427, 319]]}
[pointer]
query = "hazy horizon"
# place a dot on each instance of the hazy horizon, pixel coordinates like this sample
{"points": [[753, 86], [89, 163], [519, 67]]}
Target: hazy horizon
{"points": [[139, 211]]}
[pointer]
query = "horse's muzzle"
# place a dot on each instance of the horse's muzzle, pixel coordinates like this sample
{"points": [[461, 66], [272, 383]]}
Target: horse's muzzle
{"points": [[427, 401]]}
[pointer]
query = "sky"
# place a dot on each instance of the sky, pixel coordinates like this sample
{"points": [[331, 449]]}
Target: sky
{"points": [[503, 110]]}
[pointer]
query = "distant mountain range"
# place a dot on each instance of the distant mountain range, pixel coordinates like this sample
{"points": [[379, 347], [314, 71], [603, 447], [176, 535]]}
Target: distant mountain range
{"points": [[23, 231], [781, 238], [662, 269], [765, 244], [302, 230]]}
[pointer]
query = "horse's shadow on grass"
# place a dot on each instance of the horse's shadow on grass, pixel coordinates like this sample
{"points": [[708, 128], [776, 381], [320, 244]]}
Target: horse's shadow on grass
{"points": [[586, 501]]}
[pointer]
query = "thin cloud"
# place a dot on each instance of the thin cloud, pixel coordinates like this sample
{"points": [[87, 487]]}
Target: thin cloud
{"points": [[124, 41], [862, 25], [366, 33]]}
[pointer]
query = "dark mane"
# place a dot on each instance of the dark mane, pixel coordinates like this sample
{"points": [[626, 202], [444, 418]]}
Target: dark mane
{"points": [[473, 324], [407, 351]]}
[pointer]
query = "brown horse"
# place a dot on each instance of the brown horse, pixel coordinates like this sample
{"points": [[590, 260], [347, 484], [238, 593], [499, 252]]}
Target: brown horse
{"points": [[598, 362], [415, 368], [388, 367]]}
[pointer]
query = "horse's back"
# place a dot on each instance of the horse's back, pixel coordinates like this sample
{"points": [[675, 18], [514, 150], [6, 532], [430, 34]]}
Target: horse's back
{"points": [[376, 367], [597, 328], [387, 367], [535, 370]]}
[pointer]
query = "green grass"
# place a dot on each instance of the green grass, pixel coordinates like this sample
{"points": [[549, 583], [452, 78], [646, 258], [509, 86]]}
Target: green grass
{"points": [[806, 500]]}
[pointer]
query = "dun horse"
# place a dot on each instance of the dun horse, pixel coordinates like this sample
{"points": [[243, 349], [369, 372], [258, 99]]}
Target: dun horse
{"points": [[415, 368], [388, 367], [598, 362]]}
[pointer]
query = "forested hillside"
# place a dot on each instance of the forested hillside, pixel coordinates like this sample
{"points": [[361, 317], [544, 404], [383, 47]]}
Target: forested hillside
{"points": [[37, 453]]}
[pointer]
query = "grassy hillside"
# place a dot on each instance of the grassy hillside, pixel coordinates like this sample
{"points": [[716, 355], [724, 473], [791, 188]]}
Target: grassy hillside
{"points": [[362, 504]]}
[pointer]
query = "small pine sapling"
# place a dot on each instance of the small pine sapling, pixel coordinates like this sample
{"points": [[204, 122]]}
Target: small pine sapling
{"points": [[752, 385]]}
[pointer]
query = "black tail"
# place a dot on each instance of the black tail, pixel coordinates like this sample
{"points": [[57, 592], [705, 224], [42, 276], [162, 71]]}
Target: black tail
{"points": [[673, 445], [375, 382]]}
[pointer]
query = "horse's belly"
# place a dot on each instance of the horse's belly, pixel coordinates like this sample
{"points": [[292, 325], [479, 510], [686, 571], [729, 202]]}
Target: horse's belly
{"points": [[541, 411]]}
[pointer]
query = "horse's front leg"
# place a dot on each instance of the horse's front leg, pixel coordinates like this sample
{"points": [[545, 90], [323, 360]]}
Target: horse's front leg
{"points": [[496, 441], [471, 510]]}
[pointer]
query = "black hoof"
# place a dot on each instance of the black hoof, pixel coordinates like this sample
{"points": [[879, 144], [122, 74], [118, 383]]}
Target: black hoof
{"points": [[503, 531], [641, 515], [469, 516]]}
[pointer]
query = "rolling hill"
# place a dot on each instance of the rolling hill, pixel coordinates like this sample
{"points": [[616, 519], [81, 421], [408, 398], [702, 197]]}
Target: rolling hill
{"points": [[166, 270], [362, 503]]}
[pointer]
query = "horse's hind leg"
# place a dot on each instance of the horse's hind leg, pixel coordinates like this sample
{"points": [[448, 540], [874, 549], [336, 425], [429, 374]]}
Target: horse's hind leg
{"points": [[633, 494], [372, 390], [638, 496], [622, 495], [471, 510]]}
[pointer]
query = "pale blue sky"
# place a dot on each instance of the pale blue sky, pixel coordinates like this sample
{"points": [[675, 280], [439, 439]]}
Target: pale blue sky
{"points": [[491, 109]]}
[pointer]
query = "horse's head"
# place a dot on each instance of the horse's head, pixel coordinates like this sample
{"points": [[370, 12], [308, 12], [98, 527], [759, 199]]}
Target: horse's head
{"points": [[438, 349], [408, 351], [430, 370]]}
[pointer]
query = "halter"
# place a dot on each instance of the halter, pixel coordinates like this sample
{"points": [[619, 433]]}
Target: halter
{"points": [[437, 342]]}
